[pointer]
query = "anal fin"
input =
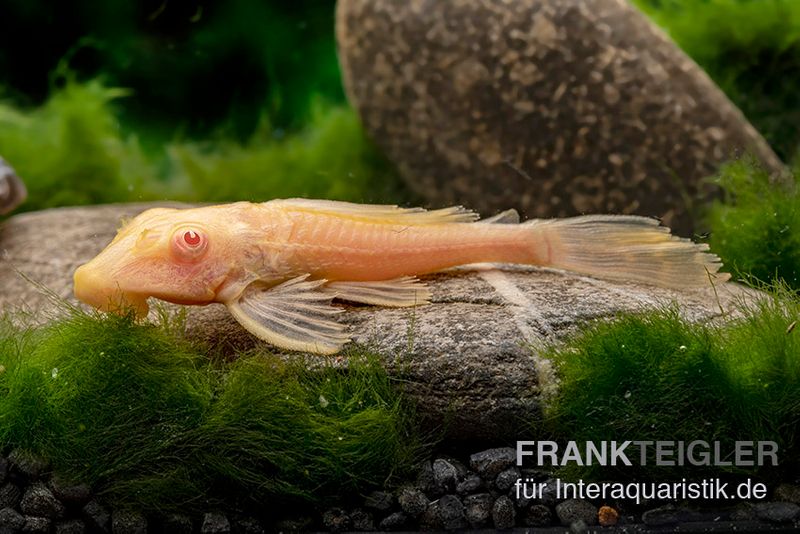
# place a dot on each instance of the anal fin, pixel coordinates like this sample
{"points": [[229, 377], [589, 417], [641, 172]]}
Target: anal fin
{"points": [[398, 293], [294, 315]]}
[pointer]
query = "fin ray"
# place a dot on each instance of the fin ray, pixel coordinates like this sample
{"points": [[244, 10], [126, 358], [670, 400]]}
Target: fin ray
{"points": [[294, 315], [398, 293], [509, 216], [379, 213], [629, 248]]}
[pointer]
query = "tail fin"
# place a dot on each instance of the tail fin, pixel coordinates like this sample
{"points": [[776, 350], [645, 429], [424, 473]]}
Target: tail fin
{"points": [[629, 248]]}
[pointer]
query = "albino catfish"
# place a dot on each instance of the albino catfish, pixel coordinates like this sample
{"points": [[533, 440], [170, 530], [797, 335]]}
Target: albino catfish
{"points": [[278, 265]]}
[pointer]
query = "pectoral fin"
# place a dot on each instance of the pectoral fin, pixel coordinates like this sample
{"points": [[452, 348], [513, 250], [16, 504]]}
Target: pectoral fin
{"points": [[400, 292], [294, 315]]}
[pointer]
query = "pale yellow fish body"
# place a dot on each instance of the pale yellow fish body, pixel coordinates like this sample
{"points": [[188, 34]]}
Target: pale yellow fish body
{"points": [[277, 265]]}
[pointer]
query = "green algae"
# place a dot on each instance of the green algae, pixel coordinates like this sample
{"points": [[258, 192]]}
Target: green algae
{"points": [[755, 228], [72, 151], [656, 376], [148, 420], [329, 158], [69, 151]]}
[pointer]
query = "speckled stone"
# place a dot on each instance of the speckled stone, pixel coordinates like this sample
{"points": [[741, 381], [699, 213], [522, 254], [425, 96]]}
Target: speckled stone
{"points": [[538, 515], [362, 520], [553, 107], [445, 474], [97, 516], [26, 465], [36, 525], [503, 513], [11, 519], [177, 524], [788, 493], [573, 510], [394, 521], [128, 522], [379, 500], [39, 501], [10, 494], [412, 501], [336, 520], [470, 484], [73, 526], [777, 512], [478, 509], [72, 494], [450, 510], [491, 462]]}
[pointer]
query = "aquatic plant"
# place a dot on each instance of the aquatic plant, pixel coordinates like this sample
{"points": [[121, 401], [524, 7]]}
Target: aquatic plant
{"points": [[751, 48], [72, 151], [656, 376], [150, 421], [329, 158], [755, 229]]}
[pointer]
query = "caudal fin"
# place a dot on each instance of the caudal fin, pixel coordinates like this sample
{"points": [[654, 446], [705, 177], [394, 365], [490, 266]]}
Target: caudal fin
{"points": [[629, 248]]}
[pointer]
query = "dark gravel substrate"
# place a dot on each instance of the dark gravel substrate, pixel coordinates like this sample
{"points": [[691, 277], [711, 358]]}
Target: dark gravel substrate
{"points": [[448, 494]]}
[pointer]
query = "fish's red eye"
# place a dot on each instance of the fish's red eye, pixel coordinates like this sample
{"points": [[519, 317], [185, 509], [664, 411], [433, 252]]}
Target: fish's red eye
{"points": [[191, 238], [189, 243]]}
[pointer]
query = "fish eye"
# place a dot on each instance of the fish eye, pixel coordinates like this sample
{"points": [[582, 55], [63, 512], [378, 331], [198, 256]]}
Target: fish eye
{"points": [[189, 243], [192, 238]]}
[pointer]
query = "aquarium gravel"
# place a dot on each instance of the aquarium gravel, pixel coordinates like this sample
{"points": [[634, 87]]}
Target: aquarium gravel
{"points": [[448, 492]]}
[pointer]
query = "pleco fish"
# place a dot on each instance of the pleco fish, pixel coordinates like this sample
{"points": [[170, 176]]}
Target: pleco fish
{"points": [[12, 190], [277, 265]]}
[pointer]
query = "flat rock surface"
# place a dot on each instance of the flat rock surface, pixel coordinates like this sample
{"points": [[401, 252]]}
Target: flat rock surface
{"points": [[470, 358], [553, 107]]}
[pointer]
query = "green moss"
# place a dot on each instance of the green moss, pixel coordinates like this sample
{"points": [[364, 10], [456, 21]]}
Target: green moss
{"points": [[655, 376], [751, 48], [71, 151], [756, 228], [300, 433], [108, 402], [148, 420], [329, 158]]}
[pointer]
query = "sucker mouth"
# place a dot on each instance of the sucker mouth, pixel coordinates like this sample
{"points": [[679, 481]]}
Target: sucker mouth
{"points": [[91, 289]]}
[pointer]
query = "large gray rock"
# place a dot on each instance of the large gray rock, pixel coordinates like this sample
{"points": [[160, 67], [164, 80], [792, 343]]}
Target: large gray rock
{"points": [[469, 358], [553, 107]]}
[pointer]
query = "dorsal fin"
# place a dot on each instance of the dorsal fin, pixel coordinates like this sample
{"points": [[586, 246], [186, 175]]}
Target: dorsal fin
{"points": [[378, 213], [504, 217]]}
